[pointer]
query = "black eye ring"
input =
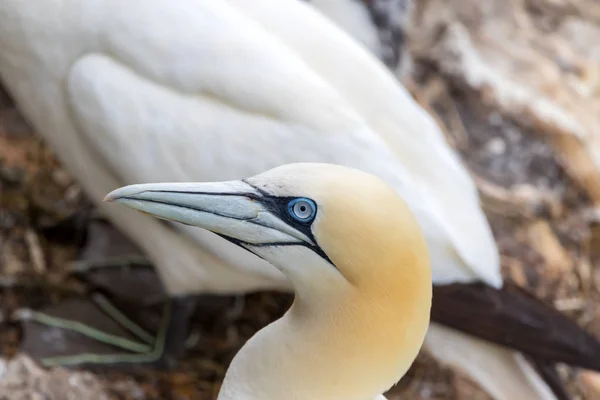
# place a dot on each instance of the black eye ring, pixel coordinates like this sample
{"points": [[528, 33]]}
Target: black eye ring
{"points": [[302, 209]]}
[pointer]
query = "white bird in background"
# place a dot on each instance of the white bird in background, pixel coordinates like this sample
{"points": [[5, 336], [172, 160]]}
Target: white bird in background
{"points": [[357, 261], [148, 91]]}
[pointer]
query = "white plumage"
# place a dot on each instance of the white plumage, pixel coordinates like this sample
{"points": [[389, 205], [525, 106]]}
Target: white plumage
{"points": [[145, 91]]}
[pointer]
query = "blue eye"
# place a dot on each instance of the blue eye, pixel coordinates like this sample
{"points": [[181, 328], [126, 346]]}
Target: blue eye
{"points": [[302, 209]]}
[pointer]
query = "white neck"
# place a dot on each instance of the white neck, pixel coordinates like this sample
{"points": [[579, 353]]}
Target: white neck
{"points": [[271, 365], [316, 355]]}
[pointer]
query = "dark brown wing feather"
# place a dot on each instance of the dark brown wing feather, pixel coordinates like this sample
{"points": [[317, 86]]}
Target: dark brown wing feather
{"points": [[514, 318], [549, 374]]}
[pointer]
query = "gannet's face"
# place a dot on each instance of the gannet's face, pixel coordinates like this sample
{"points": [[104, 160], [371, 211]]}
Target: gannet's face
{"points": [[322, 225]]}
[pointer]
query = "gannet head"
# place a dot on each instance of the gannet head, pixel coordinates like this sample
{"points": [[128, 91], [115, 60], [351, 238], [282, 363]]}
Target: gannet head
{"points": [[344, 238], [320, 224]]}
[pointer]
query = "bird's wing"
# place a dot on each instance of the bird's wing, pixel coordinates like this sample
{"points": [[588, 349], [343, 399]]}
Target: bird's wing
{"points": [[515, 318], [407, 129], [207, 93], [503, 373], [355, 19]]}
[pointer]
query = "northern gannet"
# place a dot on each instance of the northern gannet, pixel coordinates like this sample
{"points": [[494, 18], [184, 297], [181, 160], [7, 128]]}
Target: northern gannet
{"points": [[147, 91], [357, 261]]}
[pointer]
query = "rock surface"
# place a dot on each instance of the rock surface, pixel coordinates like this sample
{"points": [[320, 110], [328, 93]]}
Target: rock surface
{"points": [[22, 379]]}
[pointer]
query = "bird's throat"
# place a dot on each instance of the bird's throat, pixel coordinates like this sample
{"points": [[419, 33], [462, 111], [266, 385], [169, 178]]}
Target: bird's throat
{"points": [[354, 351]]}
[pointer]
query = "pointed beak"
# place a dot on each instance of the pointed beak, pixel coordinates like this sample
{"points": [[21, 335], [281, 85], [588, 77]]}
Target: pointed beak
{"points": [[234, 210]]}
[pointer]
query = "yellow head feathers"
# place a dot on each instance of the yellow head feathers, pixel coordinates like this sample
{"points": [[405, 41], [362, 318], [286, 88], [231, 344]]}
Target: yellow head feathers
{"points": [[361, 223]]}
